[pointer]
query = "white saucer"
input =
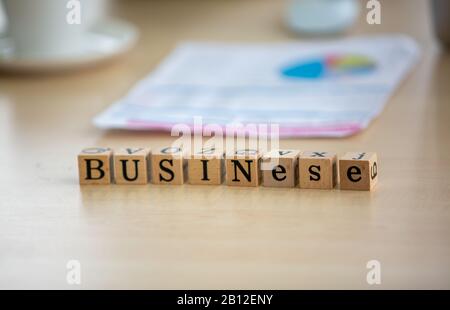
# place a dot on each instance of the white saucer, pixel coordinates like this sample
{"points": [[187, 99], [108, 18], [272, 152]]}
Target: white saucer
{"points": [[104, 41]]}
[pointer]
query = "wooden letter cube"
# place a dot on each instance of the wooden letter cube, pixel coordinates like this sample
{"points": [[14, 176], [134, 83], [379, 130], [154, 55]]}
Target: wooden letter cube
{"points": [[206, 167], [318, 170], [243, 168], [280, 168], [358, 171], [94, 165], [168, 166], [131, 166]]}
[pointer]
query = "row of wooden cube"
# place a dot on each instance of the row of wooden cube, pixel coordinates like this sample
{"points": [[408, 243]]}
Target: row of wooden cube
{"points": [[278, 168]]}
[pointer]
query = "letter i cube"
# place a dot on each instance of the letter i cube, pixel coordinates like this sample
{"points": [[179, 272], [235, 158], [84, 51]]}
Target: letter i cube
{"points": [[358, 171], [131, 166], [206, 167], [318, 170], [95, 165]]}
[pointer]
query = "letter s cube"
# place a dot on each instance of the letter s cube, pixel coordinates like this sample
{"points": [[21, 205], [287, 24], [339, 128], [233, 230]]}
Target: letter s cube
{"points": [[317, 170], [169, 166]]}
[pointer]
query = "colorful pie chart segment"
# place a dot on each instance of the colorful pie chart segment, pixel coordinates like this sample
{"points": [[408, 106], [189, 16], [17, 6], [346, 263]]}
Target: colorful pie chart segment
{"points": [[329, 66]]}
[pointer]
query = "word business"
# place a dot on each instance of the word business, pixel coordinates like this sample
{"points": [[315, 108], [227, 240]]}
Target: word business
{"points": [[246, 167]]}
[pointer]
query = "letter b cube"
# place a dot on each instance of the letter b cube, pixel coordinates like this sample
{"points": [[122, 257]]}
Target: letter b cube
{"points": [[95, 165]]}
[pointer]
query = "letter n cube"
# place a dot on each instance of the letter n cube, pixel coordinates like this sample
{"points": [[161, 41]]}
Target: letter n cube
{"points": [[243, 168]]}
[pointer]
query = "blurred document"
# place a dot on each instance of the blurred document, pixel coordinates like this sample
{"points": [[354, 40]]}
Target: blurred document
{"points": [[320, 89]]}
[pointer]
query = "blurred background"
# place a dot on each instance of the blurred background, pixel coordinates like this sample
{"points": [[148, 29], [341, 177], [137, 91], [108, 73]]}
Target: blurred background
{"points": [[162, 24], [121, 42]]}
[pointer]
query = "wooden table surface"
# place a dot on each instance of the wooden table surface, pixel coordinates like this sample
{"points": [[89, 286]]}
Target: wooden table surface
{"points": [[194, 237]]}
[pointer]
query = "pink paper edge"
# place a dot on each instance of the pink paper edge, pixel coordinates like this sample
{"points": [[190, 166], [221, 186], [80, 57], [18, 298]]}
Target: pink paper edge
{"points": [[341, 130]]}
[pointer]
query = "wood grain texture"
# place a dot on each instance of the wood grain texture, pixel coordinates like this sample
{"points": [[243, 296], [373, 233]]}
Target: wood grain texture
{"points": [[208, 237]]}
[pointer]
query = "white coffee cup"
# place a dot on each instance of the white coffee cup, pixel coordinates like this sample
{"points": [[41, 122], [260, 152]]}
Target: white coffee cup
{"points": [[321, 16], [50, 28]]}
